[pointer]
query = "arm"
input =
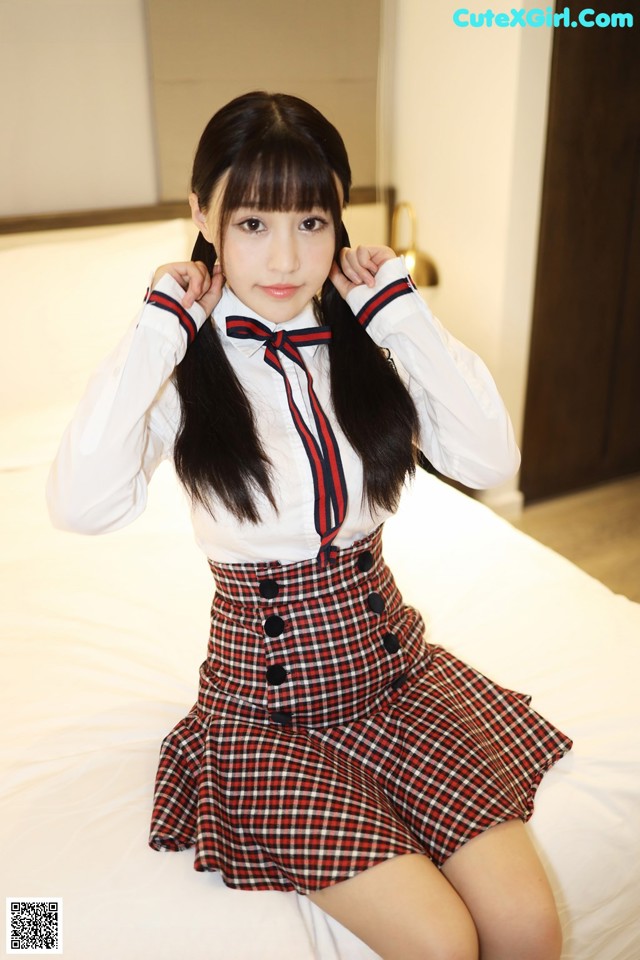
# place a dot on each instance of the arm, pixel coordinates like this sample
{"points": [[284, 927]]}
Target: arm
{"points": [[466, 432], [125, 423]]}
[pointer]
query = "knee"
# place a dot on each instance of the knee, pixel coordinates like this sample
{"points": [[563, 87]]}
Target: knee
{"points": [[433, 937], [454, 951], [453, 948], [532, 935], [454, 943], [544, 935]]}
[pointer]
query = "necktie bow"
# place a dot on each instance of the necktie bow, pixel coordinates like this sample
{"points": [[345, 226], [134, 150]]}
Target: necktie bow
{"points": [[330, 489]]}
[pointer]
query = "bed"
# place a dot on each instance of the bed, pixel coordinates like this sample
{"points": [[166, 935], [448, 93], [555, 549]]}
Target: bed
{"points": [[102, 639]]}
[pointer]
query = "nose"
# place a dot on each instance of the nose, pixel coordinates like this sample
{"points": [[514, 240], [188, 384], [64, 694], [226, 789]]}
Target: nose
{"points": [[283, 252]]}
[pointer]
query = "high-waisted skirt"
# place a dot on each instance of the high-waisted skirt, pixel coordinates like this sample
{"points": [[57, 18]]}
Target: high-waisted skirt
{"points": [[329, 735]]}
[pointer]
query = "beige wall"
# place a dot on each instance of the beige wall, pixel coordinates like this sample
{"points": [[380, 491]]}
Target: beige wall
{"points": [[468, 128], [75, 120], [325, 52]]}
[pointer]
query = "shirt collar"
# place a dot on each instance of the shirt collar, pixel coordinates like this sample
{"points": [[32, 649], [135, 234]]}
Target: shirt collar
{"points": [[230, 306]]}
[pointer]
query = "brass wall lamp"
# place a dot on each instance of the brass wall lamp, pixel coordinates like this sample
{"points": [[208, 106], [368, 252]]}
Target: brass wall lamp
{"points": [[421, 267]]}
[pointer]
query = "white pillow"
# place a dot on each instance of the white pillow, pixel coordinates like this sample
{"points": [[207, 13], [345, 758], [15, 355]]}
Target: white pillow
{"points": [[66, 304]]}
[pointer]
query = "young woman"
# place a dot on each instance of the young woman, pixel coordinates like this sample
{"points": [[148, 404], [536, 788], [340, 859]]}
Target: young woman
{"points": [[332, 749]]}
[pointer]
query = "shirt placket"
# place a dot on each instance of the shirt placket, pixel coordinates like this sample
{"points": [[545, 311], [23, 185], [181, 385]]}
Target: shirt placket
{"points": [[299, 389]]}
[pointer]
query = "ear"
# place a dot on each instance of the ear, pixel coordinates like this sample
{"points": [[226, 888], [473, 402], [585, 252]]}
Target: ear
{"points": [[199, 218]]}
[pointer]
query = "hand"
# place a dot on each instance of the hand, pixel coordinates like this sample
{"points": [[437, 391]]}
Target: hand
{"points": [[357, 267], [199, 285]]}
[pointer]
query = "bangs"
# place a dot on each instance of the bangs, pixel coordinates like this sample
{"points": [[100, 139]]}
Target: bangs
{"points": [[282, 175]]}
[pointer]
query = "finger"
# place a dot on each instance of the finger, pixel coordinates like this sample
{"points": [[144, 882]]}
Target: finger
{"points": [[361, 268], [367, 265], [198, 283], [342, 284], [167, 269], [364, 256], [350, 266], [214, 291], [182, 273], [380, 255]]}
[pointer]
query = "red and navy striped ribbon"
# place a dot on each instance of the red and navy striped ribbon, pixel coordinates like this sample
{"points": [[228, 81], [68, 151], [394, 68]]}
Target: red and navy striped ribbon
{"points": [[330, 488], [398, 288], [164, 302]]}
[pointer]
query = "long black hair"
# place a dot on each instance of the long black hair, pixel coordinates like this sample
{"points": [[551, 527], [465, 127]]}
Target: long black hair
{"points": [[282, 154]]}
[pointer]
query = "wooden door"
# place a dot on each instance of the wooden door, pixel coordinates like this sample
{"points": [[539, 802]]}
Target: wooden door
{"points": [[582, 417]]}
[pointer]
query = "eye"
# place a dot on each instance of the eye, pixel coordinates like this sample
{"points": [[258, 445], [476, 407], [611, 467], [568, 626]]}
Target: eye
{"points": [[251, 225], [313, 224]]}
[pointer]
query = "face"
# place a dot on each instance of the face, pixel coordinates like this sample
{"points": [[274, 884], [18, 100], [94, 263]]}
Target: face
{"points": [[275, 261]]}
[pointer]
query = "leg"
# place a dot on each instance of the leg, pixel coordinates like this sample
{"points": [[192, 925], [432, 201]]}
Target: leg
{"points": [[502, 882], [404, 909]]}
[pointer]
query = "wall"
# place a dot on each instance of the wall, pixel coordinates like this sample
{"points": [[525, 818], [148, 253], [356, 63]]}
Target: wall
{"points": [[326, 53], [74, 111], [468, 128], [75, 107]]}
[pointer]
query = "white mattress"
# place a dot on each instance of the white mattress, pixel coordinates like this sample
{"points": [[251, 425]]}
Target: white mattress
{"points": [[102, 639]]}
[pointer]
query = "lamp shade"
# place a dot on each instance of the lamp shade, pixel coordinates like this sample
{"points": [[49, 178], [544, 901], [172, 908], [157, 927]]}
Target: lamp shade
{"points": [[421, 267]]}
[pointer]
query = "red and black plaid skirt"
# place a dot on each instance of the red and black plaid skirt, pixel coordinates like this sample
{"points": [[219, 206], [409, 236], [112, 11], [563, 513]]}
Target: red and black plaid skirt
{"points": [[328, 735]]}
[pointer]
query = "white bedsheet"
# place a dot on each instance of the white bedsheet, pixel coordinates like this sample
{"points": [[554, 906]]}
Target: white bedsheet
{"points": [[102, 639]]}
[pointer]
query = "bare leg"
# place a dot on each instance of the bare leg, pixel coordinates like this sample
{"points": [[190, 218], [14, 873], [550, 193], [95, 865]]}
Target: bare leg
{"points": [[404, 909], [501, 880]]}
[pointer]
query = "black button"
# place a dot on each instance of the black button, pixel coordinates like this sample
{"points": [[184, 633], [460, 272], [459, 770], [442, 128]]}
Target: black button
{"points": [[391, 643], [276, 675], [376, 603], [365, 561], [283, 717], [398, 682], [273, 626], [268, 589]]}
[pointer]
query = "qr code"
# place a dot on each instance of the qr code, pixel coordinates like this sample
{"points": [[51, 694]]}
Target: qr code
{"points": [[34, 926]]}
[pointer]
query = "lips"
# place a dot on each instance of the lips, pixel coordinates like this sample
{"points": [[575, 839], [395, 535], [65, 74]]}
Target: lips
{"points": [[280, 291]]}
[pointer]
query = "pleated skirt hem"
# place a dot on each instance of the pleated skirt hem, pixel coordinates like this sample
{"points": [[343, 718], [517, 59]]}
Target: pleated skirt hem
{"points": [[292, 808]]}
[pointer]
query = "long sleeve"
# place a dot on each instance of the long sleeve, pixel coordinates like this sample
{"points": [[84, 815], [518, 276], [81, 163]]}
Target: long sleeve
{"points": [[125, 424], [466, 432]]}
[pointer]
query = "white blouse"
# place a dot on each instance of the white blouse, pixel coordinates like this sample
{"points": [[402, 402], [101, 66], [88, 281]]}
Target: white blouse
{"points": [[126, 423]]}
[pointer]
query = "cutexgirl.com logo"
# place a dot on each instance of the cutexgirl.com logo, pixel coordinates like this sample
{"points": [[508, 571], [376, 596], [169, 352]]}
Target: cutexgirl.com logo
{"points": [[541, 17]]}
